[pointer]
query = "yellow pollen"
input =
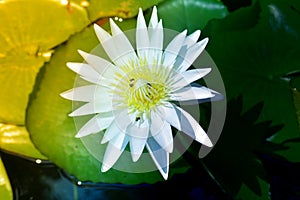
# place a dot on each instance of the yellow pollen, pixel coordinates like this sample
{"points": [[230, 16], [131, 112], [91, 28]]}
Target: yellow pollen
{"points": [[144, 95], [144, 86]]}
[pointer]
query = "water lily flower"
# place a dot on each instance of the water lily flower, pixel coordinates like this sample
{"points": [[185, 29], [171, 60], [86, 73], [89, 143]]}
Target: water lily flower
{"points": [[134, 96]]}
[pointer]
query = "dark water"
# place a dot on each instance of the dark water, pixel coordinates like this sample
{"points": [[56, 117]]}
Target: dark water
{"points": [[45, 181], [31, 181]]}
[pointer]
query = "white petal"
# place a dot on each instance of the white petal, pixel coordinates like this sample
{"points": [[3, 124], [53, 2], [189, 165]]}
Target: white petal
{"points": [[156, 38], [102, 66], [107, 42], [87, 93], [113, 151], [142, 37], [154, 19], [96, 124], [169, 113], [191, 93], [159, 156], [173, 48], [161, 131], [85, 71], [192, 128], [119, 126], [93, 108], [192, 39], [183, 79], [101, 33], [83, 93], [156, 44], [124, 48], [192, 53], [138, 137], [110, 132]]}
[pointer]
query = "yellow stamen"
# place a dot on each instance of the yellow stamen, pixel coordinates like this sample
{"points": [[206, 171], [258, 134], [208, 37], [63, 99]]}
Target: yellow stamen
{"points": [[144, 87]]}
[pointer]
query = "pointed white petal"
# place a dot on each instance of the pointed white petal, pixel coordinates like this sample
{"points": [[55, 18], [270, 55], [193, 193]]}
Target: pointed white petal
{"points": [[188, 42], [102, 66], [169, 113], [161, 131], [181, 80], [119, 126], [96, 124], [126, 53], [159, 156], [191, 93], [85, 71], [141, 23], [107, 42], [192, 128], [93, 108], [138, 137], [110, 132], [156, 39], [87, 93], [101, 33], [115, 30], [83, 93], [154, 19], [173, 48], [142, 37], [154, 53], [89, 128], [113, 151], [192, 53], [192, 39]]}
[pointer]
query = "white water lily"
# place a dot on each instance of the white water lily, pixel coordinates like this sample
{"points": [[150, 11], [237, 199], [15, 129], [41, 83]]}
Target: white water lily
{"points": [[133, 97]]}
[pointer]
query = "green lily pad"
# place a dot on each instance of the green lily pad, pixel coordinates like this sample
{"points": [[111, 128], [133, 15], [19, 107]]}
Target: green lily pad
{"points": [[253, 59], [291, 153], [295, 84], [233, 162], [246, 193], [15, 139], [190, 14], [5, 188], [292, 150], [29, 30], [53, 131]]}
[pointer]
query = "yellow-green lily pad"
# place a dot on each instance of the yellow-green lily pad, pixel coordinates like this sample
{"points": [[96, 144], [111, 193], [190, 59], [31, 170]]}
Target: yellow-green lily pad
{"points": [[115, 8], [16, 140], [5, 188], [29, 30]]}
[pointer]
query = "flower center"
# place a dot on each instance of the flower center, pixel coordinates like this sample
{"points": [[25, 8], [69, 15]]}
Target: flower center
{"points": [[144, 94], [144, 87]]}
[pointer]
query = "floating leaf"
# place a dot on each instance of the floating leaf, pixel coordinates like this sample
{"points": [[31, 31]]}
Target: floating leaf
{"points": [[5, 188], [246, 193], [254, 57], [29, 30], [190, 14], [15, 139], [292, 151], [293, 144], [296, 95], [233, 162]]}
